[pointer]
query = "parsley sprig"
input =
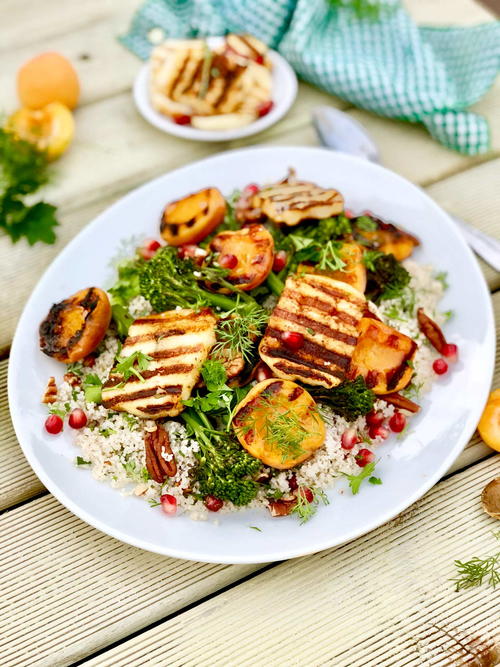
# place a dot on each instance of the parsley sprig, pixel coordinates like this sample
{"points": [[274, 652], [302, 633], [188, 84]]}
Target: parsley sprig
{"points": [[134, 364], [23, 170], [366, 473]]}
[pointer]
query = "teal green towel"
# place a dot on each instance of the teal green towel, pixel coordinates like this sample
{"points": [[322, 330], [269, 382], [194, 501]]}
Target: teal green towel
{"points": [[385, 64]]}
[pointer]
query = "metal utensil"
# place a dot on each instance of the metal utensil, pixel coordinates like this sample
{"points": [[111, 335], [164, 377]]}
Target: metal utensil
{"points": [[337, 130]]}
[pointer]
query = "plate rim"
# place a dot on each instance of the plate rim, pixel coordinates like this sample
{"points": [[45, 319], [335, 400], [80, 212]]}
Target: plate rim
{"points": [[146, 110], [326, 543]]}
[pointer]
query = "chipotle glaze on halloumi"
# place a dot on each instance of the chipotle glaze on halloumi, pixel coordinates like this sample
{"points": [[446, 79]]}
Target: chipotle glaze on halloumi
{"points": [[327, 313], [178, 342]]}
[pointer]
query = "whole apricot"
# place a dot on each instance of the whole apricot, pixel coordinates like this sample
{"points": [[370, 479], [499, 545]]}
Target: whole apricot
{"points": [[48, 77]]}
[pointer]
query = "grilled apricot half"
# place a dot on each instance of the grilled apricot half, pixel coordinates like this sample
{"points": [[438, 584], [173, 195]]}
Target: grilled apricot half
{"points": [[75, 327], [389, 239], [247, 253], [489, 424], [381, 356], [190, 219], [278, 422], [354, 271]]}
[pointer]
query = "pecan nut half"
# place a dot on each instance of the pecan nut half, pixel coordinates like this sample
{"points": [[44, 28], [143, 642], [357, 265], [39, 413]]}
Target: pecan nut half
{"points": [[50, 394], [157, 443]]}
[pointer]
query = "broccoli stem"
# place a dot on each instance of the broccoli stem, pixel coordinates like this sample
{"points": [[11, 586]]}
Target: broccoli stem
{"points": [[275, 284], [222, 301]]}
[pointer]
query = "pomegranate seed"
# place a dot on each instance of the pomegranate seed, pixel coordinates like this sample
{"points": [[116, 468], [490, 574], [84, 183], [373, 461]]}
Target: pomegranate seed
{"points": [[378, 432], [264, 108], [280, 259], [293, 340], [228, 261], [149, 249], [364, 457], [168, 503], [440, 367], [450, 351], [190, 251], [53, 424], [213, 504], [306, 493], [292, 483], [349, 438], [77, 418], [259, 59], [397, 422], [374, 418], [181, 119], [348, 213], [251, 189]]}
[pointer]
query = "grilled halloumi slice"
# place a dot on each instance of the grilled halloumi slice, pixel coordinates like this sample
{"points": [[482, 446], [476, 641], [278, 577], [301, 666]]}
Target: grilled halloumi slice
{"points": [[327, 314], [291, 201], [178, 342]]}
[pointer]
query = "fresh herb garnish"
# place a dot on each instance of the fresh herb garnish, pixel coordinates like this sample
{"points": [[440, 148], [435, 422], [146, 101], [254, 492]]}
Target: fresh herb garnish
{"points": [[366, 224], [374, 480], [134, 364], [473, 572], [330, 258], [76, 368], [256, 528], [131, 471], [442, 277], [369, 257], [154, 503], [23, 170], [355, 480], [106, 432], [82, 462], [306, 510], [219, 399], [122, 319], [60, 412], [92, 387], [238, 329], [127, 285]]}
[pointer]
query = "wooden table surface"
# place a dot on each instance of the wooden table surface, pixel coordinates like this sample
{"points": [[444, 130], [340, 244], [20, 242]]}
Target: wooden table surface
{"points": [[70, 594]]}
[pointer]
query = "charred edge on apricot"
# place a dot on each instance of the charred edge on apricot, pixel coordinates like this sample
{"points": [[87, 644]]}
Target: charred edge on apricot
{"points": [[51, 326]]}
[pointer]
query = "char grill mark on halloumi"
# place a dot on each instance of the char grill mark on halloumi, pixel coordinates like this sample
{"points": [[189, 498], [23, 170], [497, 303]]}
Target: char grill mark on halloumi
{"points": [[327, 313], [178, 342], [291, 201]]}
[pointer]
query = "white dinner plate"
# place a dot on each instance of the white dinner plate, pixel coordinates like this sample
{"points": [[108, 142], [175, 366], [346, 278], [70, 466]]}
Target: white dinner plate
{"points": [[284, 91], [408, 466]]}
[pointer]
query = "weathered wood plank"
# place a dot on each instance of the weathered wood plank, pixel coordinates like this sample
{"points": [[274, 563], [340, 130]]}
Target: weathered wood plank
{"points": [[68, 590], [383, 599], [28, 23], [18, 482]]}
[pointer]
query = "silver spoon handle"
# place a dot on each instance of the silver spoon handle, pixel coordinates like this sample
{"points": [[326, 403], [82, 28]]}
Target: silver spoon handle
{"points": [[485, 246]]}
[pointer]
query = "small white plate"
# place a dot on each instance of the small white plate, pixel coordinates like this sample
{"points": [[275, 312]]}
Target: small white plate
{"points": [[284, 91], [407, 466]]}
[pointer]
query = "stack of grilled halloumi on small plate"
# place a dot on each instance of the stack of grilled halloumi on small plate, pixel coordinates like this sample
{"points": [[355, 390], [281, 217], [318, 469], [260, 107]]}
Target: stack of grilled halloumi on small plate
{"points": [[217, 89]]}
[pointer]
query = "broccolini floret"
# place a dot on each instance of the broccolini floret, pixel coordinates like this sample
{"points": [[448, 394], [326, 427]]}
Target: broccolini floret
{"points": [[349, 400], [387, 279], [224, 469], [168, 281]]}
